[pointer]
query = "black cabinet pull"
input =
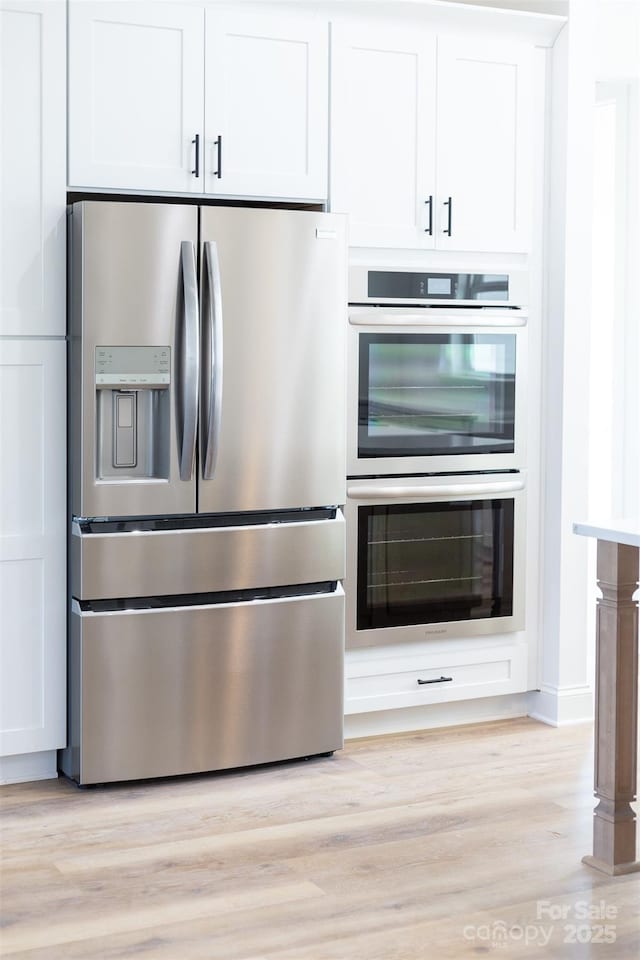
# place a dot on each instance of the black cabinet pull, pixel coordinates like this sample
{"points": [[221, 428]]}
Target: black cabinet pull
{"points": [[429, 229], [448, 203], [196, 141], [218, 143], [436, 680]]}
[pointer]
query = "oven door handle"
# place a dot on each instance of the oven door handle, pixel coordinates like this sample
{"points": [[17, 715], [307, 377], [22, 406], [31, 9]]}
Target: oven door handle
{"points": [[459, 318], [436, 492]]}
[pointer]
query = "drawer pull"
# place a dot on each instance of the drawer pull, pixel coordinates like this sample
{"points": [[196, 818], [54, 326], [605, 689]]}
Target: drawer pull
{"points": [[429, 230], [448, 203], [196, 171], [436, 680], [218, 143]]}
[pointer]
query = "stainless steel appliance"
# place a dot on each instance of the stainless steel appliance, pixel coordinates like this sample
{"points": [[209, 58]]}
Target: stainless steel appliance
{"points": [[437, 366], [437, 371], [207, 475], [434, 557]]}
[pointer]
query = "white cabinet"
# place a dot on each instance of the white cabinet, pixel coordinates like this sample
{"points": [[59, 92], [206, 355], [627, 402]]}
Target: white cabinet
{"points": [[32, 546], [388, 678], [431, 139], [483, 145], [32, 387], [266, 105], [33, 182], [170, 97], [382, 124], [136, 95]]}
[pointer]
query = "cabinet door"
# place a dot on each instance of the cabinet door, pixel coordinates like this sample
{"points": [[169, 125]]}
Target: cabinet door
{"points": [[382, 122], [136, 87], [266, 104], [483, 145], [32, 546], [33, 182]]}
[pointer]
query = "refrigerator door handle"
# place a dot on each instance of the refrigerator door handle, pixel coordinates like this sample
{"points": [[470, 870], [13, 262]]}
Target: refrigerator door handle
{"points": [[189, 360], [211, 402]]}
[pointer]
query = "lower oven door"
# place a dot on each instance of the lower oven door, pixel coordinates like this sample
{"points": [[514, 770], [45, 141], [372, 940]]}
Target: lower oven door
{"points": [[434, 557]]}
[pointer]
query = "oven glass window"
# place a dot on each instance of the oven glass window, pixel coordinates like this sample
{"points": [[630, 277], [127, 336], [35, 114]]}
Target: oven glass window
{"points": [[429, 394], [435, 562]]}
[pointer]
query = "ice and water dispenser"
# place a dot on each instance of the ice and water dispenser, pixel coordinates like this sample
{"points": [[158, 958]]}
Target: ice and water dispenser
{"points": [[133, 412]]}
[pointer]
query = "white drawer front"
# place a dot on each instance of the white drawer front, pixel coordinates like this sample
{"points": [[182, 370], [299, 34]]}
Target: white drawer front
{"points": [[388, 684]]}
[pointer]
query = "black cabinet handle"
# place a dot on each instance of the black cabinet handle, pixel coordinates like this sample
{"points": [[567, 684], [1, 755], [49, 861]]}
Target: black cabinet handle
{"points": [[436, 680], [218, 143], [448, 203], [429, 229], [196, 141]]}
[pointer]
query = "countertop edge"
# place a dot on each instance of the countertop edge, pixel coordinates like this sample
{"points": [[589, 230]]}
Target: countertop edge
{"points": [[616, 531]]}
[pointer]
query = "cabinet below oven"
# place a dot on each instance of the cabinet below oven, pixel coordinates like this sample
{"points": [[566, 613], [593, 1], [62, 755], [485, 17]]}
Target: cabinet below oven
{"points": [[387, 678]]}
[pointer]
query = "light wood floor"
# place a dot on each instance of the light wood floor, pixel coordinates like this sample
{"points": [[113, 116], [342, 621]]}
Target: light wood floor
{"points": [[416, 846]]}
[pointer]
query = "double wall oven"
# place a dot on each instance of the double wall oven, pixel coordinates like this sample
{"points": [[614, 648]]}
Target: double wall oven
{"points": [[436, 454]]}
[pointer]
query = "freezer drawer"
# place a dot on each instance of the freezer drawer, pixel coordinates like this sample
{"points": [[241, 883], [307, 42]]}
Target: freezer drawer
{"points": [[164, 562], [190, 689]]}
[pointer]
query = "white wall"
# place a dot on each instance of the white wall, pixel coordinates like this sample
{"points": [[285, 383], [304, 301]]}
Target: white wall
{"points": [[592, 393], [617, 69], [617, 47]]}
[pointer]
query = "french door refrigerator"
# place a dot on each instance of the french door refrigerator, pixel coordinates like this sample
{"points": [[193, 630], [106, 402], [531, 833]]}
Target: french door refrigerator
{"points": [[207, 476]]}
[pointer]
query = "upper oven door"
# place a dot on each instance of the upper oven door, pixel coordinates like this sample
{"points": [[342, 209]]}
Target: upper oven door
{"points": [[436, 390]]}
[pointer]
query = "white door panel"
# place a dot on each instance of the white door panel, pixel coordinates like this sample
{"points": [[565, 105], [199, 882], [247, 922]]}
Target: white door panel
{"points": [[383, 109], [32, 546], [267, 98], [136, 82], [483, 145], [33, 183]]}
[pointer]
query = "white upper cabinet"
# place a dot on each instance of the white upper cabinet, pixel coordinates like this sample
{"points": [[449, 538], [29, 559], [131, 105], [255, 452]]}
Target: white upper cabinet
{"points": [[266, 105], [141, 116], [483, 145], [136, 95], [33, 181], [431, 139], [382, 123]]}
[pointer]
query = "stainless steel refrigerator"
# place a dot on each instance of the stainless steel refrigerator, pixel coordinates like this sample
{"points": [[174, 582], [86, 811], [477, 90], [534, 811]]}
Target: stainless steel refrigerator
{"points": [[207, 474]]}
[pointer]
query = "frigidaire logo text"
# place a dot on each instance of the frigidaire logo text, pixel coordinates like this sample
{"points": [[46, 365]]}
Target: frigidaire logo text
{"points": [[435, 631]]}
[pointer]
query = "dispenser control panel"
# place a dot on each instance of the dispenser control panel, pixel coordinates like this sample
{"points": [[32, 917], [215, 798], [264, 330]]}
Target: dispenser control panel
{"points": [[133, 366]]}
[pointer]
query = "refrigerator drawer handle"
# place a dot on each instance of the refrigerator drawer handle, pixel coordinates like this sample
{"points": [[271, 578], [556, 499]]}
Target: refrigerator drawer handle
{"points": [[212, 357], [188, 362], [435, 492]]}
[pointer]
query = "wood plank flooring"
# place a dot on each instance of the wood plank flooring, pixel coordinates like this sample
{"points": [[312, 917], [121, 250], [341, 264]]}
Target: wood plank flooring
{"points": [[443, 844]]}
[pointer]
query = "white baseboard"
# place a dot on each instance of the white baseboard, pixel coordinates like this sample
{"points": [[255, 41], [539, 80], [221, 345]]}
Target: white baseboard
{"points": [[409, 719], [562, 706], [24, 767]]}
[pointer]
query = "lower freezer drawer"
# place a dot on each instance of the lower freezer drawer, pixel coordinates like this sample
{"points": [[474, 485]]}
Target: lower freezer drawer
{"points": [[191, 689]]}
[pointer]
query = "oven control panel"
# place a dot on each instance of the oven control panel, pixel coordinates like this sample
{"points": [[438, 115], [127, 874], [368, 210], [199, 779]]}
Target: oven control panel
{"points": [[420, 287]]}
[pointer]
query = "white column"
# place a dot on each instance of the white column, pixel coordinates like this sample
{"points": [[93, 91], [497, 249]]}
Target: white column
{"points": [[565, 692]]}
